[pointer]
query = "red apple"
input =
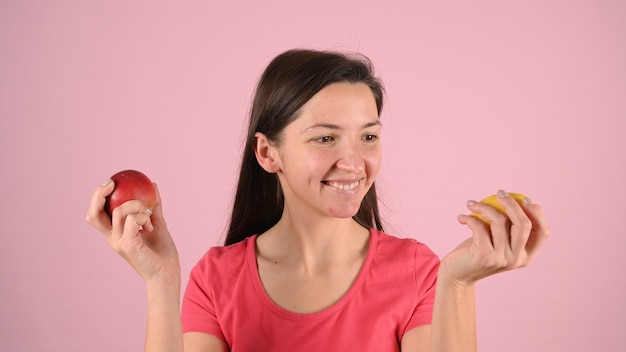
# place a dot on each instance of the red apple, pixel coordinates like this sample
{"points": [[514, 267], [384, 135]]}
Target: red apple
{"points": [[130, 185]]}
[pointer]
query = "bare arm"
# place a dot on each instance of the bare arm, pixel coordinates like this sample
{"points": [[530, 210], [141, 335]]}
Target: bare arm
{"points": [[454, 317], [508, 242], [454, 322], [164, 330], [140, 236]]}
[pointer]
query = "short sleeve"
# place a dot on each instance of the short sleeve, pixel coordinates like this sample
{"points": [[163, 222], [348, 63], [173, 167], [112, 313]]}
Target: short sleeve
{"points": [[426, 264], [198, 309]]}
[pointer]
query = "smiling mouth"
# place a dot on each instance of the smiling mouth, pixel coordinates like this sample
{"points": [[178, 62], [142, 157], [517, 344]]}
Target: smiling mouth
{"points": [[343, 186]]}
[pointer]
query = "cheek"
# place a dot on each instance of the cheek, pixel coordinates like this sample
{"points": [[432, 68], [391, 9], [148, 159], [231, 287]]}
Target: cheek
{"points": [[318, 165], [373, 160], [308, 165]]}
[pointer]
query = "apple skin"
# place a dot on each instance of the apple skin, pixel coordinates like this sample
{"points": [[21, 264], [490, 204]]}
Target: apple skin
{"points": [[493, 201], [130, 185]]}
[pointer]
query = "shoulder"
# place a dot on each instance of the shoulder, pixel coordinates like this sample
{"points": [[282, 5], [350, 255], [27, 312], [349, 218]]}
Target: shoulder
{"points": [[391, 246], [223, 259], [403, 270], [404, 259]]}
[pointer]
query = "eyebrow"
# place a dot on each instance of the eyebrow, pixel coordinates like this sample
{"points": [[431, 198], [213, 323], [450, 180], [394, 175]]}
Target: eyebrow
{"points": [[336, 127]]}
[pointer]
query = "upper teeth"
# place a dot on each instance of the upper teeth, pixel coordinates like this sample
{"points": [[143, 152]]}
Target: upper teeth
{"points": [[344, 187]]}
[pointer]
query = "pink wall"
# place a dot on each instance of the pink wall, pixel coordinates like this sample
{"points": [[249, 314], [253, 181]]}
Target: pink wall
{"points": [[528, 96]]}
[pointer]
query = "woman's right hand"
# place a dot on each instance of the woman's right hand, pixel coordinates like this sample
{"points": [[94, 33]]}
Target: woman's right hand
{"points": [[138, 234]]}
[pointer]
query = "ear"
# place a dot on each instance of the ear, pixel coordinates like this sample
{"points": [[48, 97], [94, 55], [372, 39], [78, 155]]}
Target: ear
{"points": [[266, 153]]}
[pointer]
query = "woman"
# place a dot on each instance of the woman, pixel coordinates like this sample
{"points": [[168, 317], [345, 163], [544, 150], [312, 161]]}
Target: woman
{"points": [[306, 265]]}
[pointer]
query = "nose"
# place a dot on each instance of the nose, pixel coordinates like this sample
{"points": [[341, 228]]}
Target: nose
{"points": [[351, 159]]}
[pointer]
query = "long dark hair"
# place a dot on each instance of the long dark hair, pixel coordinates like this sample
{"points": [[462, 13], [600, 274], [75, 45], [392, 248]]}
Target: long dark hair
{"points": [[289, 81]]}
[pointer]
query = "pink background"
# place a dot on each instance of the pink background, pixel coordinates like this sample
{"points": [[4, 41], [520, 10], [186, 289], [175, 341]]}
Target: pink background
{"points": [[527, 96]]}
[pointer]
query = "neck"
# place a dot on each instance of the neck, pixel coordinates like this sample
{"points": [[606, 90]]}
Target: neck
{"points": [[314, 243]]}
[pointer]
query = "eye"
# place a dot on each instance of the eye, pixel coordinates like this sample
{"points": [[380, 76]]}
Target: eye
{"points": [[325, 139], [370, 138]]}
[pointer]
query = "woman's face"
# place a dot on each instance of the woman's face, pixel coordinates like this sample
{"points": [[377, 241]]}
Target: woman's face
{"points": [[330, 155]]}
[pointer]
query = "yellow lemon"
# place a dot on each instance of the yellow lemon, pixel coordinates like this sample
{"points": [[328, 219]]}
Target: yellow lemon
{"points": [[493, 201]]}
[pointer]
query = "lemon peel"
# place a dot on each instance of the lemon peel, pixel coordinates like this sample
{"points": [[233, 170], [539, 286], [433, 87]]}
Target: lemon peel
{"points": [[493, 201]]}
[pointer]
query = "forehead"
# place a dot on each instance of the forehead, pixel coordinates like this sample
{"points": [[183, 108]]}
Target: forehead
{"points": [[340, 103]]}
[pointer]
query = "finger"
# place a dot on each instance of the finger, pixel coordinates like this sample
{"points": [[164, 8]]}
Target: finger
{"points": [[134, 224], [157, 213], [96, 216], [129, 240], [540, 231], [520, 223], [122, 213], [160, 238], [498, 224], [480, 231]]}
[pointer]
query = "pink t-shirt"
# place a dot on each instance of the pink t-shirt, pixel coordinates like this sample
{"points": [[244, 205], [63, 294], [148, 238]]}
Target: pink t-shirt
{"points": [[394, 292]]}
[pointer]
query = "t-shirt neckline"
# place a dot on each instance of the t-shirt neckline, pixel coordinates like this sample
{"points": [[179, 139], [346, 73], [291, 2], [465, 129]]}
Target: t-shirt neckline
{"points": [[268, 303]]}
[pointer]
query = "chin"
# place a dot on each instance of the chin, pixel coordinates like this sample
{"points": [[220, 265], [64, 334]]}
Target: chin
{"points": [[345, 212]]}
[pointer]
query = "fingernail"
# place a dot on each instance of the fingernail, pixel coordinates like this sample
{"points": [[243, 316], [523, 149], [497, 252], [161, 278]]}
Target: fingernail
{"points": [[471, 202], [527, 201], [109, 180], [148, 211], [502, 194]]}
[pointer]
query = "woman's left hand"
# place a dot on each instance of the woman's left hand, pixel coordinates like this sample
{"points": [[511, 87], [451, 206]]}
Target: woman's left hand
{"points": [[508, 242]]}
